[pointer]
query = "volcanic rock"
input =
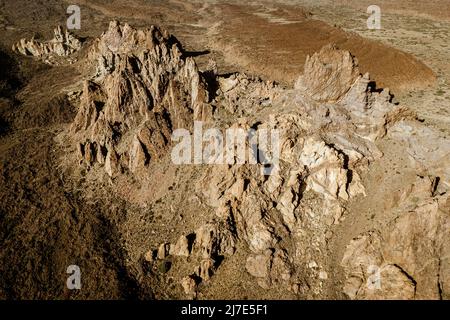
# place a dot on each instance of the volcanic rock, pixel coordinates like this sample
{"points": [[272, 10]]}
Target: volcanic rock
{"points": [[63, 44]]}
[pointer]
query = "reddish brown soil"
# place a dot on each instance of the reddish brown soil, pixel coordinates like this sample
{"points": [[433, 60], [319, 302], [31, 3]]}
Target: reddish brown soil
{"points": [[278, 51]]}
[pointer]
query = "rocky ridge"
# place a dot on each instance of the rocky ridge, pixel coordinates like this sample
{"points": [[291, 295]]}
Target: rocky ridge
{"points": [[63, 44], [144, 87]]}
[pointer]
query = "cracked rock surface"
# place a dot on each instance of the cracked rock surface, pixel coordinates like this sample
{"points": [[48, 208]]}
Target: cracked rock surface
{"points": [[142, 87], [63, 44]]}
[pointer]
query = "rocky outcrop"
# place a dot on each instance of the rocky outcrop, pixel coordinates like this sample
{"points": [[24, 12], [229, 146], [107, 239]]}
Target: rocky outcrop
{"points": [[205, 248], [281, 215], [428, 150], [63, 44], [328, 126], [328, 74], [332, 76], [409, 258], [143, 89], [241, 95]]}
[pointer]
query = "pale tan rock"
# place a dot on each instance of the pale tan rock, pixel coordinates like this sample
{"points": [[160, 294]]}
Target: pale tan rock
{"points": [[63, 44], [181, 247], [259, 265], [281, 270], [323, 275], [243, 95], [326, 173], [206, 269], [407, 255], [213, 239], [125, 110], [328, 74], [428, 150], [189, 286], [287, 205], [270, 267], [111, 162], [163, 251], [148, 256], [144, 88]]}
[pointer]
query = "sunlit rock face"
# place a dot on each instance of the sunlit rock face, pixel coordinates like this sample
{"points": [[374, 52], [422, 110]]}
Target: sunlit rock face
{"points": [[63, 44], [143, 87], [142, 90]]}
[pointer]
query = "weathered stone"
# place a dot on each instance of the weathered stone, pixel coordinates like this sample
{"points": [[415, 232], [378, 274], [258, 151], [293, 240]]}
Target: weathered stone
{"points": [[63, 44], [259, 265], [149, 256], [206, 269], [163, 251], [407, 256], [213, 239], [143, 89], [328, 74], [181, 247], [189, 286]]}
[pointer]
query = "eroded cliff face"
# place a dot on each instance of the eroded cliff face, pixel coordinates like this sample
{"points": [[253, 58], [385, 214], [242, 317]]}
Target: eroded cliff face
{"points": [[142, 90], [142, 87]]}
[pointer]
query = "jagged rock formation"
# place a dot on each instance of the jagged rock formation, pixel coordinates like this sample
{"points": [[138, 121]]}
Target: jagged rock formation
{"points": [[239, 94], [409, 259], [143, 88], [427, 150], [328, 74], [206, 247], [63, 44]]}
